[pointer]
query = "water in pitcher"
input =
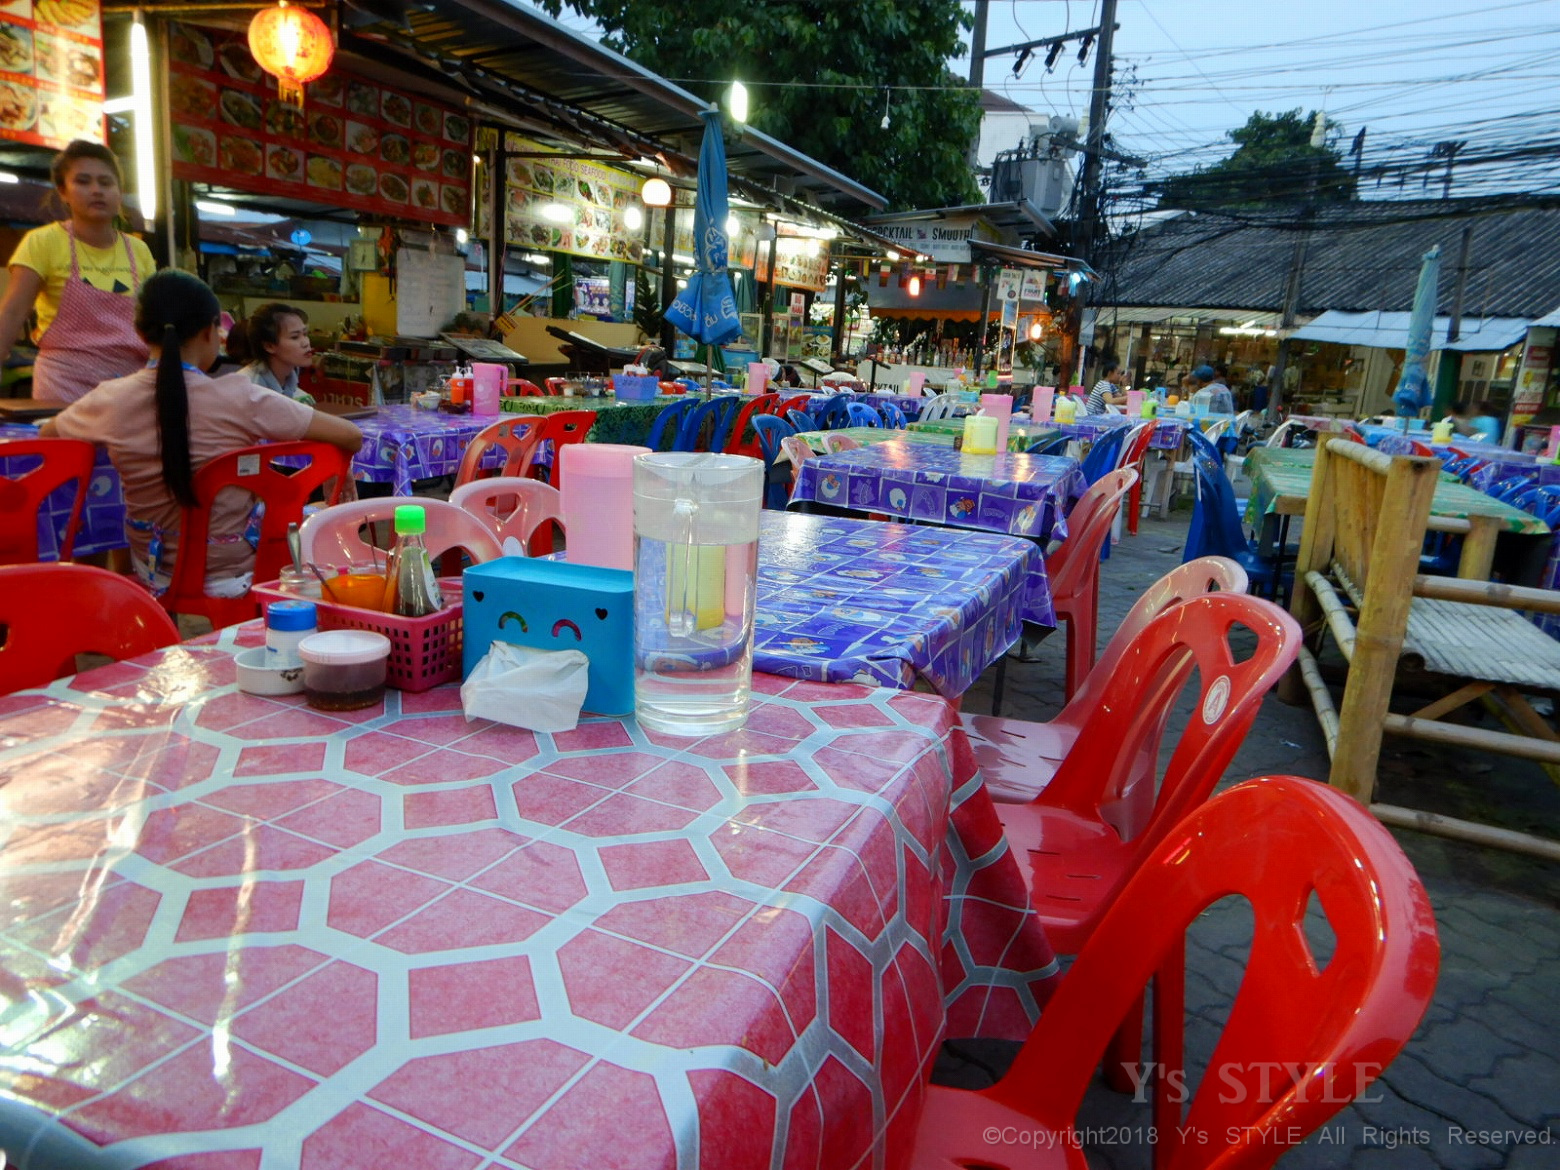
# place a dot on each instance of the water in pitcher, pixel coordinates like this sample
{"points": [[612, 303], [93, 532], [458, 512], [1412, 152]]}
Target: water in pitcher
{"points": [[695, 560]]}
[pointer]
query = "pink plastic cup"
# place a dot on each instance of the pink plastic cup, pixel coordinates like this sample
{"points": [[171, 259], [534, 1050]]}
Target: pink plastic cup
{"points": [[598, 502]]}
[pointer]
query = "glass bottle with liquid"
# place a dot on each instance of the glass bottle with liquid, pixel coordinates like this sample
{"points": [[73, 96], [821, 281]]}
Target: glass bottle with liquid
{"points": [[411, 586]]}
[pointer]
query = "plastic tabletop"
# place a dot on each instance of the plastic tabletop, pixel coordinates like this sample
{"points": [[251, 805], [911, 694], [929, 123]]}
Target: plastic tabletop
{"points": [[627, 421], [854, 600], [102, 515], [910, 404], [1021, 435], [240, 932], [1020, 495], [1169, 433]]}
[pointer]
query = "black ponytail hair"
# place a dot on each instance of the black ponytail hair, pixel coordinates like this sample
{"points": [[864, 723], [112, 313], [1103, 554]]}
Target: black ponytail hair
{"points": [[173, 308], [247, 339]]}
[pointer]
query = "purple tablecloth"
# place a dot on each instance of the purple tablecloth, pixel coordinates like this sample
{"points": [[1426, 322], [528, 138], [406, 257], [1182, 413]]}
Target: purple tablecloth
{"points": [[1020, 495], [402, 443], [910, 406], [1168, 432], [102, 517], [857, 601]]}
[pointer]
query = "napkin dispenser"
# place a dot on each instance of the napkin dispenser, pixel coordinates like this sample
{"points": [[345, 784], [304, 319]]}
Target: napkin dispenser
{"points": [[553, 605]]}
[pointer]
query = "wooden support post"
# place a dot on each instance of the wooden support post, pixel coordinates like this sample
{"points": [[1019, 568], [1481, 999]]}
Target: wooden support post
{"points": [[1478, 550], [1394, 561]]}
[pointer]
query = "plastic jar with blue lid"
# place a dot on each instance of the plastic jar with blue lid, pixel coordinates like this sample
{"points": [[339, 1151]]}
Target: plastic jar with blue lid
{"points": [[286, 624]]}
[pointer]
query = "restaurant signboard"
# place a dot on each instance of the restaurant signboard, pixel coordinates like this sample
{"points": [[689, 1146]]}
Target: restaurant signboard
{"points": [[355, 144], [799, 263], [51, 71], [561, 204]]}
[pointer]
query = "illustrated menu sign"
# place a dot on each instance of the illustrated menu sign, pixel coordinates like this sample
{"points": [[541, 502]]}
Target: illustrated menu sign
{"points": [[796, 264], [566, 205], [51, 71], [355, 144]]}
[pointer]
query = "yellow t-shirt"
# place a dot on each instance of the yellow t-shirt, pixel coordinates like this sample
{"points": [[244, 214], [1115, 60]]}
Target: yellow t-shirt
{"points": [[46, 251]]}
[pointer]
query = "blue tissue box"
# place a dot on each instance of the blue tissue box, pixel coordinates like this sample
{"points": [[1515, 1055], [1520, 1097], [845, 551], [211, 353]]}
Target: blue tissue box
{"points": [[552, 605]]}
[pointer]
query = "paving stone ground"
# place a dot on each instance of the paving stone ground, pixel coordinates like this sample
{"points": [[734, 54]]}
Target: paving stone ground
{"points": [[1487, 1056]]}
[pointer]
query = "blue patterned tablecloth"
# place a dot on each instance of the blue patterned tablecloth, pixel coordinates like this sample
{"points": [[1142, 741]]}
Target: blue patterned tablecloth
{"points": [[1168, 432], [1020, 495], [853, 600], [402, 444], [102, 516], [910, 405]]}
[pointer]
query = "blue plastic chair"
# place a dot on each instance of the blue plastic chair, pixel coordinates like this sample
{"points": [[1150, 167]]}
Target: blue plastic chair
{"points": [[770, 430], [1216, 529], [1055, 445], [862, 415], [718, 413], [720, 384], [1464, 468], [1102, 456], [801, 420], [892, 415], [832, 414], [670, 419], [1508, 489], [1546, 504]]}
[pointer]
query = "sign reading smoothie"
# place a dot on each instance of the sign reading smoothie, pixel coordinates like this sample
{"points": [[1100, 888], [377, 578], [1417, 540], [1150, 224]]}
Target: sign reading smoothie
{"points": [[355, 143]]}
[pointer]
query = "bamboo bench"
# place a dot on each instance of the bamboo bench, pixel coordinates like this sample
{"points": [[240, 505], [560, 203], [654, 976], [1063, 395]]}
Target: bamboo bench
{"points": [[1357, 577]]}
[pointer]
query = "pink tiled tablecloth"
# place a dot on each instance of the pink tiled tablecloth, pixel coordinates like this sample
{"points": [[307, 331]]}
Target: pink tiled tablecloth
{"points": [[237, 932]]}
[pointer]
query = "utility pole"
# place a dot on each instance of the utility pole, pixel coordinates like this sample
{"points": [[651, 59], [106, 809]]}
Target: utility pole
{"points": [[1447, 150], [1093, 161], [1454, 326], [978, 45], [1292, 288]]}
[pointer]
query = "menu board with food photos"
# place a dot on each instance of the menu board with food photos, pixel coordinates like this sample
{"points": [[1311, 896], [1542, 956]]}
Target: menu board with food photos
{"points": [[51, 71], [355, 143], [566, 205]]}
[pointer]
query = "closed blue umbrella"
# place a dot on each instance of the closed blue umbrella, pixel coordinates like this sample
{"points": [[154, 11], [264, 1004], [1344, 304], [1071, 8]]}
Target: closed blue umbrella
{"points": [[1413, 390], [706, 310]]}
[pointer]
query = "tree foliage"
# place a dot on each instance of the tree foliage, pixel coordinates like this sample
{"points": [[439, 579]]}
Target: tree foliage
{"points": [[818, 73], [1273, 162]]}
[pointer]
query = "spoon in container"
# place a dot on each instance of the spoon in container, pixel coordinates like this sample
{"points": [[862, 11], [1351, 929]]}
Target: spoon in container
{"points": [[295, 547]]}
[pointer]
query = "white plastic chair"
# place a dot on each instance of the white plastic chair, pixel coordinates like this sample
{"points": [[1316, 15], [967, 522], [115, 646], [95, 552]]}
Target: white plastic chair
{"points": [[1276, 439], [937, 409], [334, 536], [512, 508]]}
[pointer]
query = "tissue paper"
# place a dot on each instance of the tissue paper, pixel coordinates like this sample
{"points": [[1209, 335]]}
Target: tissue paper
{"points": [[539, 690]]}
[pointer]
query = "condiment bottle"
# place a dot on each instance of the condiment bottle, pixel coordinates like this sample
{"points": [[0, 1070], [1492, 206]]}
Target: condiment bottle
{"points": [[286, 624], [460, 384], [411, 587]]}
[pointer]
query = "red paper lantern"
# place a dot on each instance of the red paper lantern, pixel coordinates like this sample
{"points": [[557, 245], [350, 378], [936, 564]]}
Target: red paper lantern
{"points": [[292, 45]]}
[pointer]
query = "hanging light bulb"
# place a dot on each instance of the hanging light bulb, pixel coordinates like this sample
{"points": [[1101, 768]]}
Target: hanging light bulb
{"points": [[633, 218], [1036, 330], [732, 225], [656, 193], [914, 287], [888, 99], [737, 101]]}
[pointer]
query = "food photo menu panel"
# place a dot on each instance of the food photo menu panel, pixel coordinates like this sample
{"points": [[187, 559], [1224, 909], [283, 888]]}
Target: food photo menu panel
{"points": [[355, 143], [51, 71]]}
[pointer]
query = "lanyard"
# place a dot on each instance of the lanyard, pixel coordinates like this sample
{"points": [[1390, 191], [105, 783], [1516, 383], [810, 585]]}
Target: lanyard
{"points": [[152, 365]]}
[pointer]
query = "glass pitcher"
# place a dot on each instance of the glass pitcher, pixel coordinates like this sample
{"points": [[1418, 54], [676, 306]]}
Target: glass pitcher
{"points": [[695, 559]]}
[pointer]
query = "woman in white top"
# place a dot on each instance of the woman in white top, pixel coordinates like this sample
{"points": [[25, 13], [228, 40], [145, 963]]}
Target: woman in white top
{"points": [[275, 344]]}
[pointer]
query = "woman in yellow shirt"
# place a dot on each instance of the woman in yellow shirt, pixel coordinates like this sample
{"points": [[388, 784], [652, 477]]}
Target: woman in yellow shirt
{"points": [[83, 274]]}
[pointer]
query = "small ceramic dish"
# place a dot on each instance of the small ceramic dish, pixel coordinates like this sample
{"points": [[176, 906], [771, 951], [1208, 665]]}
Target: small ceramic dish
{"points": [[256, 678]]}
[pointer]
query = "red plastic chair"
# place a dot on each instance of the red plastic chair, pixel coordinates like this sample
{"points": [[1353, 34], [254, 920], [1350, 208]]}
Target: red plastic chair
{"points": [[282, 489], [50, 613], [22, 493], [737, 440], [521, 388], [1018, 757], [1074, 569], [1336, 1022], [1134, 453], [1072, 841], [525, 510], [555, 386], [795, 402], [567, 426], [517, 434]]}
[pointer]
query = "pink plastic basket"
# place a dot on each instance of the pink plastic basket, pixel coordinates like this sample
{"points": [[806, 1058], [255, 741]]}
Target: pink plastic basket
{"points": [[424, 652]]}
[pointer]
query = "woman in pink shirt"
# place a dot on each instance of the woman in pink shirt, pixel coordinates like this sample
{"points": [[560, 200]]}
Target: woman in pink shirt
{"points": [[162, 422]]}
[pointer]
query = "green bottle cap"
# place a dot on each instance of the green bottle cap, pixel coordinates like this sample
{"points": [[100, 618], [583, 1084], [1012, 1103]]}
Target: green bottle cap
{"points": [[410, 520]]}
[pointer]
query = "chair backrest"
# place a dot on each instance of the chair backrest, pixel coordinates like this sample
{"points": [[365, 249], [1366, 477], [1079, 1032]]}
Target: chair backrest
{"points": [[520, 513], [797, 449], [522, 388], [1182, 583], [736, 436], [772, 432], [561, 429], [1215, 528], [1134, 448], [801, 420], [1050, 445], [50, 613], [834, 444], [1513, 486], [892, 415], [30, 471], [1071, 564], [517, 434], [832, 413], [716, 414], [1280, 436], [862, 415], [1214, 433], [670, 419], [555, 386], [935, 409], [1103, 454], [1415, 447], [794, 402], [333, 536], [1306, 1032], [269, 473]]}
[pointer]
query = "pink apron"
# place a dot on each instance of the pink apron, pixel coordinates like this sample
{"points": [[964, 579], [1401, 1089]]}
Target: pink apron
{"points": [[92, 338]]}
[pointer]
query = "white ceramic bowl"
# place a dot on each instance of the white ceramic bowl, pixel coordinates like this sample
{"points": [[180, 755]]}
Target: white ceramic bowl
{"points": [[256, 678]]}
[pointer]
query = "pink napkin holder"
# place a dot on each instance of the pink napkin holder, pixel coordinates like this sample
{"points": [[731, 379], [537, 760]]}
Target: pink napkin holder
{"points": [[1040, 408], [758, 377], [487, 386], [917, 380], [999, 407], [1135, 403]]}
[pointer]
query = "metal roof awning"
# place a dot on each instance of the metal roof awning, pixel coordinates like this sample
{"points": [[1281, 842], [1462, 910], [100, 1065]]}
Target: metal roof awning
{"points": [[1023, 258], [1549, 320], [1389, 330], [1019, 217], [1114, 315], [500, 49]]}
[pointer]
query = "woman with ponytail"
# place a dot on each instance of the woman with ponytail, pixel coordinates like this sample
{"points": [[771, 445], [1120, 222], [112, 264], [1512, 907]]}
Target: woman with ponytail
{"points": [[162, 422]]}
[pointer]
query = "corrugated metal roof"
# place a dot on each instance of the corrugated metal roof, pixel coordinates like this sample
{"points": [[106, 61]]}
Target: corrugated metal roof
{"points": [[1360, 256], [1389, 330]]}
